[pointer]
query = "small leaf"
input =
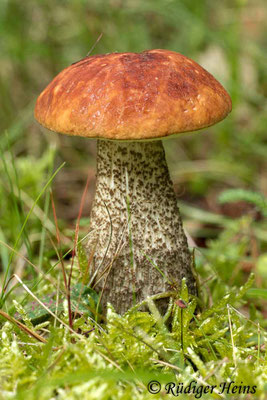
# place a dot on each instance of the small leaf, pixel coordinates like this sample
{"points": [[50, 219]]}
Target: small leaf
{"points": [[255, 292], [83, 263], [83, 301]]}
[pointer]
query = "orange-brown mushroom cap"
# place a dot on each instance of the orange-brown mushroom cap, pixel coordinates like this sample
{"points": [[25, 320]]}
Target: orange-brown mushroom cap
{"points": [[132, 96]]}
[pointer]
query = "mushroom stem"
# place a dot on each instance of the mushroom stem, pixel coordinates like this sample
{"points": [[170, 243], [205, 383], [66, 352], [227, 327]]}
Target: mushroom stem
{"points": [[136, 232]]}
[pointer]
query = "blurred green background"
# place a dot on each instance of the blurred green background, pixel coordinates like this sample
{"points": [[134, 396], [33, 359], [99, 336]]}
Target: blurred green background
{"points": [[38, 38]]}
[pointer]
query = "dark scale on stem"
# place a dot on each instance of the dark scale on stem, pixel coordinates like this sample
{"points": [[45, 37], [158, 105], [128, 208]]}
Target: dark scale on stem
{"points": [[133, 182]]}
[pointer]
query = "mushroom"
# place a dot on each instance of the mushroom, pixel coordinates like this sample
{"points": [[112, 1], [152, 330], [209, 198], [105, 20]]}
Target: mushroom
{"points": [[131, 102]]}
